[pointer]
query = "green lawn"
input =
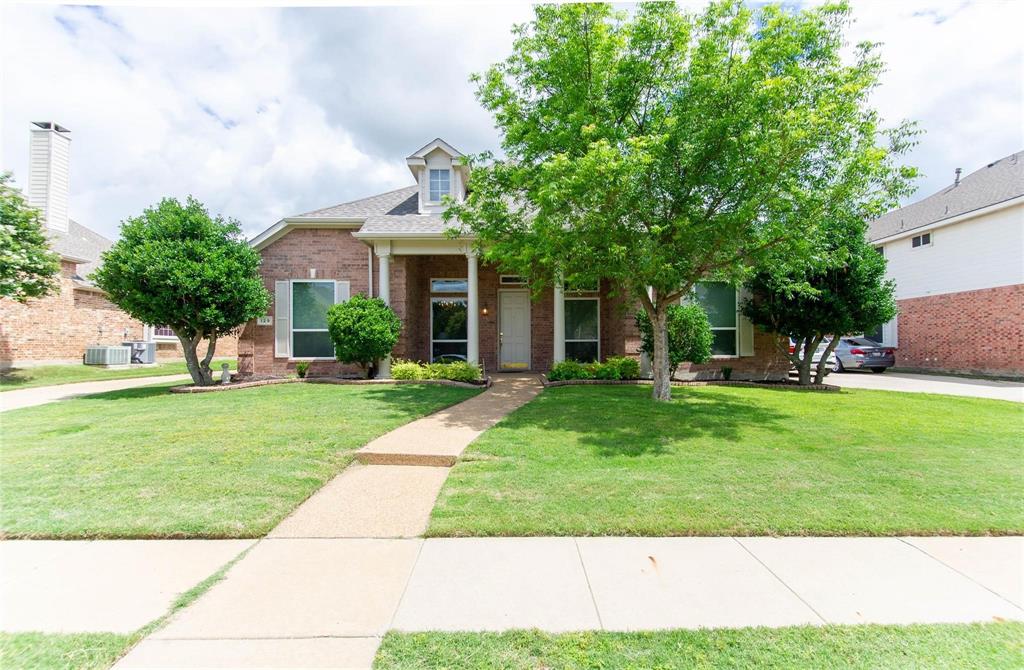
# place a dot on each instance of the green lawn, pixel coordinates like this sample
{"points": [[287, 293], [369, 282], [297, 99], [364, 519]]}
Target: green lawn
{"points": [[962, 647], [50, 651], [606, 460], [146, 463], [13, 379]]}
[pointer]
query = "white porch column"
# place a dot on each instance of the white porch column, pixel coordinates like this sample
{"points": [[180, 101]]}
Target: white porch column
{"points": [[473, 307], [384, 293], [559, 322]]}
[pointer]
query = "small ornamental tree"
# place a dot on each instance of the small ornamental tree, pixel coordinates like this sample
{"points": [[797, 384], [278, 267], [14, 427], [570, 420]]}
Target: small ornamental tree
{"points": [[839, 292], [175, 265], [363, 330], [657, 148], [28, 267], [689, 335]]}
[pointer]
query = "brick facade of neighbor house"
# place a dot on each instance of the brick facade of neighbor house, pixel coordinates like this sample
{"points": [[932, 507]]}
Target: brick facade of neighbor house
{"points": [[57, 328], [979, 332], [334, 254]]}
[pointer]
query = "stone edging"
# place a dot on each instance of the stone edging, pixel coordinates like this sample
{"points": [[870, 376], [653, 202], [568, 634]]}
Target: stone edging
{"points": [[323, 380], [711, 382]]}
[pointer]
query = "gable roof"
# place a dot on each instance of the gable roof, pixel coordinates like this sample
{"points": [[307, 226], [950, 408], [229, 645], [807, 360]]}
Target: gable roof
{"points": [[997, 182], [81, 245], [436, 143], [403, 199]]}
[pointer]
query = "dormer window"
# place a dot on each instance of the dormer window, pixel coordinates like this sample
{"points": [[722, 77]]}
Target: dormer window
{"points": [[440, 184]]}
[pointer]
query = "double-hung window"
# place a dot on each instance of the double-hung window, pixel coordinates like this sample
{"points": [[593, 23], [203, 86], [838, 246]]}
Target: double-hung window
{"points": [[582, 329], [719, 301], [440, 184], [310, 301]]}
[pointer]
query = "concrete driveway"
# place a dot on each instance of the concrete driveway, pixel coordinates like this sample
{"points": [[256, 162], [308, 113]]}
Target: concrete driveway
{"points": [[914, 383]]}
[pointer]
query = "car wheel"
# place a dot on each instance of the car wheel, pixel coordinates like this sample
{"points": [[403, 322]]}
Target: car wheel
{"points": [[878, 370], [837, 366]]}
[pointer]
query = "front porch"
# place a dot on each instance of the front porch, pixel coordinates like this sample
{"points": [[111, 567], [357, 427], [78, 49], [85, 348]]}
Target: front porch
{"points": [[455, 307]]}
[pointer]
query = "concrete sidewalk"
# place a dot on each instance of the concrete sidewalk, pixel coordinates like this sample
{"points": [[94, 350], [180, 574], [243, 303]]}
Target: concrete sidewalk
{"points": [[44, 394], [326, 602], [993, 389]]}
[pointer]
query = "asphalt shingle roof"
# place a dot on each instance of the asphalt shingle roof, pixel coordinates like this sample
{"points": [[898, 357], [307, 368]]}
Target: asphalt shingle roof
{"points": [[397, 202], [80, 242], [996, 182]]}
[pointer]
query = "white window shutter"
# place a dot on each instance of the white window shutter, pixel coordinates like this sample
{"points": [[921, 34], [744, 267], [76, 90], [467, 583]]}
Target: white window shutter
{"points": [[341, 291], [282, 319], [746, 328]]}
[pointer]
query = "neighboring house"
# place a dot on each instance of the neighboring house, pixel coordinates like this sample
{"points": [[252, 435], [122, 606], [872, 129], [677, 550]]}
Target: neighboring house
{"points": [[958, 261], [57, 328], [394, 246]]}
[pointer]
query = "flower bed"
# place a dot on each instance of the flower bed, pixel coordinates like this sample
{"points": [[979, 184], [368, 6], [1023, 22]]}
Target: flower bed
{"points": [[251, 383]]}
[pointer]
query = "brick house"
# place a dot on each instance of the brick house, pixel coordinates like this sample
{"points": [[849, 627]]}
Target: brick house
{"points": [[957, 258], [57, 328], [394, 246]]}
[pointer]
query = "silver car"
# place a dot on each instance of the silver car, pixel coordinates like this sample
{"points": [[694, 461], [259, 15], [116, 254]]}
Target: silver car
{"points": [[861, 353], [816, 357]]}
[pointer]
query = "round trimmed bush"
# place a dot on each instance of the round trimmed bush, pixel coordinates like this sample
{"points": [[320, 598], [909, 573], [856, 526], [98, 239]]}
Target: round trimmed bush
{"points": [[363, 330]]}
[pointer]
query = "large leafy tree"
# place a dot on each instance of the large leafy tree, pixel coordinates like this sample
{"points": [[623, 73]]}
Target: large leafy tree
{"points": [[28, 267], [661, 148], [838, 291], [176, 265]]}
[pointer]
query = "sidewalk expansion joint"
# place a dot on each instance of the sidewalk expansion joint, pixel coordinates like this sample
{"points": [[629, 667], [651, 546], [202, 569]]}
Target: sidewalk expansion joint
{"points": [[781, 580], [593, 599], [962, 574]]}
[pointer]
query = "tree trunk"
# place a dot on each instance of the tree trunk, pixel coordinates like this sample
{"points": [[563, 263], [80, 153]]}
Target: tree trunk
{"points": [[660, 365], [819, 373], [199, 369], [804, 367]]}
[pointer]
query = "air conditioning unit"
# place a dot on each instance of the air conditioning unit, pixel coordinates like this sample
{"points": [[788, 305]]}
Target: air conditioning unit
{"points": [[108, 355], [143, 353]]}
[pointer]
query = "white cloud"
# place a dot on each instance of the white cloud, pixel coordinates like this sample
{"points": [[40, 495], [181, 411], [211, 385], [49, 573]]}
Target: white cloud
{"points": [[263, 113]]}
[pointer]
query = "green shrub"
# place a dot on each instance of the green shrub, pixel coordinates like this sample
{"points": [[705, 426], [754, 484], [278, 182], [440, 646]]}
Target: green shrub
{"points": [[363, 330], [607, 371], [456, 371], [566, 370], [689, 335], [406, 370], [301, 368], [629, 368]]}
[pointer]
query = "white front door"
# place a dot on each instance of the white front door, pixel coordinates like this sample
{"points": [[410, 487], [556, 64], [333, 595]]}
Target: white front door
{"points": [[514, 330]]}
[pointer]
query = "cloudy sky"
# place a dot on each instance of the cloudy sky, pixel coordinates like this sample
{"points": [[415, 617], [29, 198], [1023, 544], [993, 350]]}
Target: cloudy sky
{"points": [[263, 113]]}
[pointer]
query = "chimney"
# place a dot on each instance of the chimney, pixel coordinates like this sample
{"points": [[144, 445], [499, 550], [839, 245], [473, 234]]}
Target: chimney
{"points": [[48, 171], [956, 182]]}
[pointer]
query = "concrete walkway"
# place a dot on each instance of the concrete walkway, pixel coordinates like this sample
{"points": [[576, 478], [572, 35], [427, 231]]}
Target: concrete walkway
{"points": [[326, 602], [44, 394], [944, 385]]}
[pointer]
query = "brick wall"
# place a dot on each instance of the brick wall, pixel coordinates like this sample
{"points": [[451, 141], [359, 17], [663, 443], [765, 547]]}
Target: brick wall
{"points": [[335, 254], [57, 328], [968, 332]]}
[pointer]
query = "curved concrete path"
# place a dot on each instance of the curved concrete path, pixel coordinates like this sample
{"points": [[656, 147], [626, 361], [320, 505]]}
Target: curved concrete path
{"points": [[44, 394]]}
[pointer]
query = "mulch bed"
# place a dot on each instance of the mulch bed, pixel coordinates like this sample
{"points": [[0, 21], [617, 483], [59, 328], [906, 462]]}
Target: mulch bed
{"points": [[251, 382], [780, 384]]}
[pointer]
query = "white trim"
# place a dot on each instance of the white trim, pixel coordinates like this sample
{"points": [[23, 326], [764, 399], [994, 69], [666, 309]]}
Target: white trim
{"points": [[989, 209], [596, 299], [440, 298], [529, 326], [291, 318], [282, 227]]}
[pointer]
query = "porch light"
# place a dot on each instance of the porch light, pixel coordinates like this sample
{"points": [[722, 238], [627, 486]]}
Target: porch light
{"points": [[484, 310]]}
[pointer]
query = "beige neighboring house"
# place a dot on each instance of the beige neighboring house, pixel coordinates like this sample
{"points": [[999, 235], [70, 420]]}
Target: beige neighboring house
{"points": [[957, 258], [57, 328]]}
